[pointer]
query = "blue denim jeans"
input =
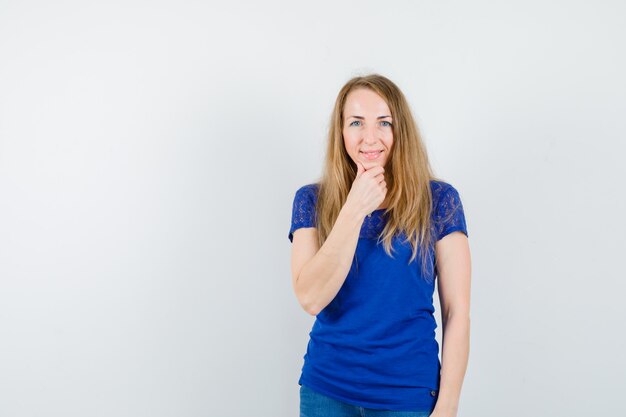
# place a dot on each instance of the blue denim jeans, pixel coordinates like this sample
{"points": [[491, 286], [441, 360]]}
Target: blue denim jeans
{"points": [[314, 404]]}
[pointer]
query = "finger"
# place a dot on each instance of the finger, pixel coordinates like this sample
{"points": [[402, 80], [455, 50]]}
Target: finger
{"points": [[379, 178], [360, 169], [375, 171]]}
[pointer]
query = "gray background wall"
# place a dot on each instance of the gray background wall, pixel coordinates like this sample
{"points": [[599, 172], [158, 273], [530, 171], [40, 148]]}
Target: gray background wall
{"points": [[150, 152]]}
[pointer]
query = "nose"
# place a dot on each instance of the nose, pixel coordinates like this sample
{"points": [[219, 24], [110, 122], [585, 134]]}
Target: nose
{"points": [[369, 135]]}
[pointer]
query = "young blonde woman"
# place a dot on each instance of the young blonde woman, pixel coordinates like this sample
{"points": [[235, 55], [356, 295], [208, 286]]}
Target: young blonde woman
{"points": [[369, 240]]}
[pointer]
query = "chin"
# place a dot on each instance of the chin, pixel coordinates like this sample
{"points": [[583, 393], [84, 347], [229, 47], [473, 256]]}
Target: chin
{"points": [[369, 164], [366, 163], [373, 163]]}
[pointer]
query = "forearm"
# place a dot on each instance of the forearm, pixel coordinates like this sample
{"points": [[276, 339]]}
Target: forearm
{"points": [[455, 355], [322, 277]]}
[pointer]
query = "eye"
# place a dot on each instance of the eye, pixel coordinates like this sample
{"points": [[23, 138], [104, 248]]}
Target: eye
{"points": [[356, 121], [388, 123]]}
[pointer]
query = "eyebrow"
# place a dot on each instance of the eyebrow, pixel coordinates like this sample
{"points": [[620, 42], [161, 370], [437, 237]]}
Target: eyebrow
{"points": [[361, 117]]}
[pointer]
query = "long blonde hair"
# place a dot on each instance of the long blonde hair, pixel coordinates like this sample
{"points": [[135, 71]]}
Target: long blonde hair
{"points": [[407, 173]]}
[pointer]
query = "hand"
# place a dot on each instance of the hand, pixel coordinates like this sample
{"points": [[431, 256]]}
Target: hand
{"points": [[368, 189]]}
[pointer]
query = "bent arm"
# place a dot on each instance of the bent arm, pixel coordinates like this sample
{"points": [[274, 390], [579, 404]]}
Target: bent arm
{"points": [[454, 272], [319, 273]]}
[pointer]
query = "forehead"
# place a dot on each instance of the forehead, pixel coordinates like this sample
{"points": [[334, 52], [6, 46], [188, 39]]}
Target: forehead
{"points": [[363, 101]]}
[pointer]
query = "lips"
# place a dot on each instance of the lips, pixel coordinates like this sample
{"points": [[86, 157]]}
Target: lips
{"points": [[371, 155]]}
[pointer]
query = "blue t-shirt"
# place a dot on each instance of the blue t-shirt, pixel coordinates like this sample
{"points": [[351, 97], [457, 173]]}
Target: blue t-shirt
{"points": [[374, 344]]}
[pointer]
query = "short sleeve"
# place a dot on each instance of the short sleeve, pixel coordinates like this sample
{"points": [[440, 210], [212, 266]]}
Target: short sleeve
{"points": [[303, 211], [449, 213]]}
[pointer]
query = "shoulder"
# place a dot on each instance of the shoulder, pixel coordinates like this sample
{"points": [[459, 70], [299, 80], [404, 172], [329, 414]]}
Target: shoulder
{"points": [[305, 198], [441, 188], [308, 192], [448, 213], [445, 198], [309, 188]]}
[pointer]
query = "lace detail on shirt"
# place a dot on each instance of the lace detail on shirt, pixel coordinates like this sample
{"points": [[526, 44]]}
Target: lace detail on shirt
{"points": [[373, 225], [303, 210], [447, 215]]}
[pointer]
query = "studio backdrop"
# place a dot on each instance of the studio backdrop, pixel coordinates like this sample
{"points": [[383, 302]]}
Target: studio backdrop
{"points": [[149, 156]]}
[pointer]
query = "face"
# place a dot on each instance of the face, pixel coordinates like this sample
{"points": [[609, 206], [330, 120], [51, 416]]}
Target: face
{"points": [[367, 128]]}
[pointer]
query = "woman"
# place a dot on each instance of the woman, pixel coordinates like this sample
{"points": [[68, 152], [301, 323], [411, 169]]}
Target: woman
{"points": [[369, 239]]}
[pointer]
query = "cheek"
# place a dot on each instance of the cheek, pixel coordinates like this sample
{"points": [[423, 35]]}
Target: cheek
{"points": [[390, 141], [349, 143]]}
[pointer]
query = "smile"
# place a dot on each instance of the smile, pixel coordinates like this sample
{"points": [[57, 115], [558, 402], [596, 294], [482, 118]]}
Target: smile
{"points": [[371, 155]]}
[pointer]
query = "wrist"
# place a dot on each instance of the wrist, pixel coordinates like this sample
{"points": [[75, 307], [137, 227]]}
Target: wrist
{"points": [[353, 212]]}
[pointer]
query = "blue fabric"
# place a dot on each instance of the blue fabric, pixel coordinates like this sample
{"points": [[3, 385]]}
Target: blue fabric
{"points": [[374, 344]]}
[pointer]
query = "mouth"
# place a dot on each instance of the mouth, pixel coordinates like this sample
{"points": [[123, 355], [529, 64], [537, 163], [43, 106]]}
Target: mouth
{"points": [[371, 155]]}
